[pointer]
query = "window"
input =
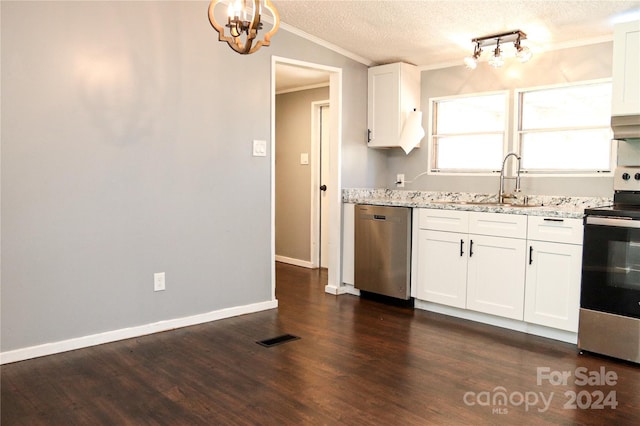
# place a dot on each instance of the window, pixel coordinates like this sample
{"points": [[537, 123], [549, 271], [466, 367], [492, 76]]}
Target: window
{"points": [[560, 129], [565, 129], [468, 133]]}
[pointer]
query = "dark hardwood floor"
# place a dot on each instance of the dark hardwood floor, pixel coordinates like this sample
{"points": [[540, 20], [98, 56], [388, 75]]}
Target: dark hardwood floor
{"points": [[358, 362]]}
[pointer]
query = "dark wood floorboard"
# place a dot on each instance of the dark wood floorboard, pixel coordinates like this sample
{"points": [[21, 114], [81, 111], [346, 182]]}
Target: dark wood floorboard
{"points": [[358, 362]]}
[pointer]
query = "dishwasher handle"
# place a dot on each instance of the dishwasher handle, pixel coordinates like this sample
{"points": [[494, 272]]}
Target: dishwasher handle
{"points": [[379, 217]]}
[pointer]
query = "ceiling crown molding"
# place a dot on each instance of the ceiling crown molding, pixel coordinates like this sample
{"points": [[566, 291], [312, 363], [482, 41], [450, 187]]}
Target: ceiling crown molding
{"points": [[323, 43]]}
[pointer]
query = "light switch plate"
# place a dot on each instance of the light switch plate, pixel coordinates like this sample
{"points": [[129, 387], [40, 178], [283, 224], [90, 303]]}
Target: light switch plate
{"points": [[259, 148], [158, 281], [304, 158]]}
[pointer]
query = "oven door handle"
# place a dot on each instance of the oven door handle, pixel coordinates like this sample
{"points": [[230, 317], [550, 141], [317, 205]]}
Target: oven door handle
{"points": [[625, 222]]}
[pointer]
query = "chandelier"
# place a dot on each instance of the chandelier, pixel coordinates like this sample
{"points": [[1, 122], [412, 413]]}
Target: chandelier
{"points": [[522, 53], [243, 23]]}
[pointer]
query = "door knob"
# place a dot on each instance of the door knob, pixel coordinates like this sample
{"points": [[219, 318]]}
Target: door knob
{"points": [[323, 187]]}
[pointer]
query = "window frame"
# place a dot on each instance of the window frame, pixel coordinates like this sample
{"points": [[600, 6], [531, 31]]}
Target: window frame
{"points": [[432, 146], [512, 140], [517, 136]]}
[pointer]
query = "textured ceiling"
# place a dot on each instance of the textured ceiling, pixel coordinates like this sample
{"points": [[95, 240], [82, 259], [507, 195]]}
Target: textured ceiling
{"points": [[292, 77], [434, 32]]}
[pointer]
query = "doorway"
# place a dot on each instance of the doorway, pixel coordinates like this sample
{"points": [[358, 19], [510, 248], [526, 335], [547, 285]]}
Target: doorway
{"points": [[330, 121]]}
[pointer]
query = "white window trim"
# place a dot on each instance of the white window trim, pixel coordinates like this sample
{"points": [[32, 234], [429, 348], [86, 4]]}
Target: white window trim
{"points": [[561, 85], [515, 136], [512, 118], [464, 172]]}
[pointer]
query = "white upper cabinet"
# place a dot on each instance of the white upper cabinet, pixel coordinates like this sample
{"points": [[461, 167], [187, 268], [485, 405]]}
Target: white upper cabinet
{"points": [[626, 69], [394, 91]]}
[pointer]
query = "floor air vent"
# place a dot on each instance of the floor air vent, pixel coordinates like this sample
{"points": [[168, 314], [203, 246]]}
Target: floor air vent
{"points": [[277, 340]]}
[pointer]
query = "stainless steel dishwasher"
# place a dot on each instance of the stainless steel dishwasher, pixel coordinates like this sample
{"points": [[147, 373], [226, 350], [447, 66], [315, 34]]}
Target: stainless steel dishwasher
{"points": [[382, 250]]}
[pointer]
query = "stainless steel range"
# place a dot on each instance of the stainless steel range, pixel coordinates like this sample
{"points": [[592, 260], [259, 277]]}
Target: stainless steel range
{"points": [[610, 292]]}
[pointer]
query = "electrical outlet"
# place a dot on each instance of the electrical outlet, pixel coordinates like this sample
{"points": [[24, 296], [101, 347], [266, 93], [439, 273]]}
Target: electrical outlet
{"points": [[259, 148], [400, 180], [158, 281]]}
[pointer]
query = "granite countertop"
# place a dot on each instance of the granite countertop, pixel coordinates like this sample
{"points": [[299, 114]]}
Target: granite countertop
{"points": [[545, 205]]}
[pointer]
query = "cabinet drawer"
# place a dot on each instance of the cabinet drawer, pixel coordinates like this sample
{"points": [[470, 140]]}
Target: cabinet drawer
{"points": [[498, 224], [444, 220], [555, 229]]}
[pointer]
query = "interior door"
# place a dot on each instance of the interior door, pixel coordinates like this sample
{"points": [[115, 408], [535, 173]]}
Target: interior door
{"points": [[325, 149]]}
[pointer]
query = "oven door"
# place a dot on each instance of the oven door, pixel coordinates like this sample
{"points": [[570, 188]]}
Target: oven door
{"points": [[611, 266]]}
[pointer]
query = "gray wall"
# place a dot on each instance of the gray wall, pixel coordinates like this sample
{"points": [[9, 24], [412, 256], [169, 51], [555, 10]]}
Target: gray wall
{"points": [[293, 180], [126, 150], [559, 66], [629, 153]]}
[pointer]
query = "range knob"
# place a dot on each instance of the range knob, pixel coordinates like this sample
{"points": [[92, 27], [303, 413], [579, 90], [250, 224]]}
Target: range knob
{"points": [[637, 176], [626, 176]]}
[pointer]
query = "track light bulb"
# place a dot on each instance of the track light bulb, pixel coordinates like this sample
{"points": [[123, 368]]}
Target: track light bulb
{"points": [[524, 53], [471, 62], [496, 60]]}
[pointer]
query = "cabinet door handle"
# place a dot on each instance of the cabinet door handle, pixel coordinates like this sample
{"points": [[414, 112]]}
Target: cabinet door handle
{"points": [[368, 135], [549, 219], [530, 255], [461, 248], [470, 248]]}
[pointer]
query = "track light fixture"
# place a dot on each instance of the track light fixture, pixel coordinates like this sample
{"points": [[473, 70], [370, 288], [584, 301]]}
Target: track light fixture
{"points": [[522, 53]]}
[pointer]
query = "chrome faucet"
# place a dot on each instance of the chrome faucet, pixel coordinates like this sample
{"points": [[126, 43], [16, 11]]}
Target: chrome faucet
{"points": [[501, 194]]}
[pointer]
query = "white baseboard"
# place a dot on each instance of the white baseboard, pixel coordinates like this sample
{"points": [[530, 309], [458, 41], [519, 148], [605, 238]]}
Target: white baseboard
{"points": [[511, 324], [295, 262], [332, 289], [130, 332], [350, 289]]}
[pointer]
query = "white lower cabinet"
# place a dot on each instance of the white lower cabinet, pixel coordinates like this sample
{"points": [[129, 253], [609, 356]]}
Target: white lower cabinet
{"points": [[442, 267], [512, 266], [495, 277], [348, 243], [553, 273], [484, 273]]}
